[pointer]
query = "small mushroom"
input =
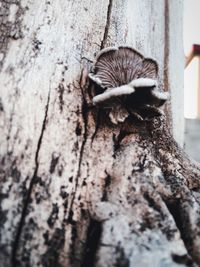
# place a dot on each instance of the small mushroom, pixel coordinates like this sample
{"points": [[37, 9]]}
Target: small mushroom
{"points": [[127, 84]]}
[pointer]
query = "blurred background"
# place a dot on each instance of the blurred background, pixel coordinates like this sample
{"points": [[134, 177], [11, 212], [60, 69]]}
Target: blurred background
{"points": [[192, 77]]}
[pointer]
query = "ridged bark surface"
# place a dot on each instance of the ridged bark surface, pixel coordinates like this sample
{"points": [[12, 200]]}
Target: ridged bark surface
{"points": [[75, 189]]}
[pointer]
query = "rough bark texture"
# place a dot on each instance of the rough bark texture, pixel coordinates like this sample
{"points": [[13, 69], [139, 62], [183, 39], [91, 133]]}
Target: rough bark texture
{"points": [[76, 190]]}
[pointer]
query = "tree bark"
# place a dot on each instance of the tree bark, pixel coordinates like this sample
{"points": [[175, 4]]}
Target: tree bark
{"points": [[75, 189]]}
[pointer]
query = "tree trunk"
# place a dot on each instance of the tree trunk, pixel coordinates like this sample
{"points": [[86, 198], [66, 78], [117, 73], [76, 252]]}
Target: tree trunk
{"points": [[75, 189]]}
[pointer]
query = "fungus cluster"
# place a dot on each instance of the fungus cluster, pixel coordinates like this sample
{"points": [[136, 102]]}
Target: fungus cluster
{"points": [[126, 84]]}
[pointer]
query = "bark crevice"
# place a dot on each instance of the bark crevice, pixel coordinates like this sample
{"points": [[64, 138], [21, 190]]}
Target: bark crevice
{"points": [[92, 243], [30, 188], [166, 82], [180, 217], [85, 134], [109, 12]]}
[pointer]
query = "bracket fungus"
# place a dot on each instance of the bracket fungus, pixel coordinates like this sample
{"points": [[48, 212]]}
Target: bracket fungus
{"points": [[126, 84]]}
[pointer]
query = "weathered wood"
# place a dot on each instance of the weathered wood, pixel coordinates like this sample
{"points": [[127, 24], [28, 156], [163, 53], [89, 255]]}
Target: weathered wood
{"points": [[76, 190], [175, 65]]}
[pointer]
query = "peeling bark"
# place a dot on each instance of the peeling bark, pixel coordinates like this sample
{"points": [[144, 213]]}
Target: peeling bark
{"points": [[75, 189]]}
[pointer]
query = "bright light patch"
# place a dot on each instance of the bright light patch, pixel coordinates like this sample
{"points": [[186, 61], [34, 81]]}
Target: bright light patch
{"points": [[190, 89], [192, 72]]}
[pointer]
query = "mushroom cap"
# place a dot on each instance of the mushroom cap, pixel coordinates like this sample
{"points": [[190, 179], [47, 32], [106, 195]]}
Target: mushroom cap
{"points": [[119, 66]]}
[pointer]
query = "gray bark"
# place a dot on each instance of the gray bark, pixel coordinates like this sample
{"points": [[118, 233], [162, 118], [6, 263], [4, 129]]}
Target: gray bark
{"points": [[76, 190]]}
